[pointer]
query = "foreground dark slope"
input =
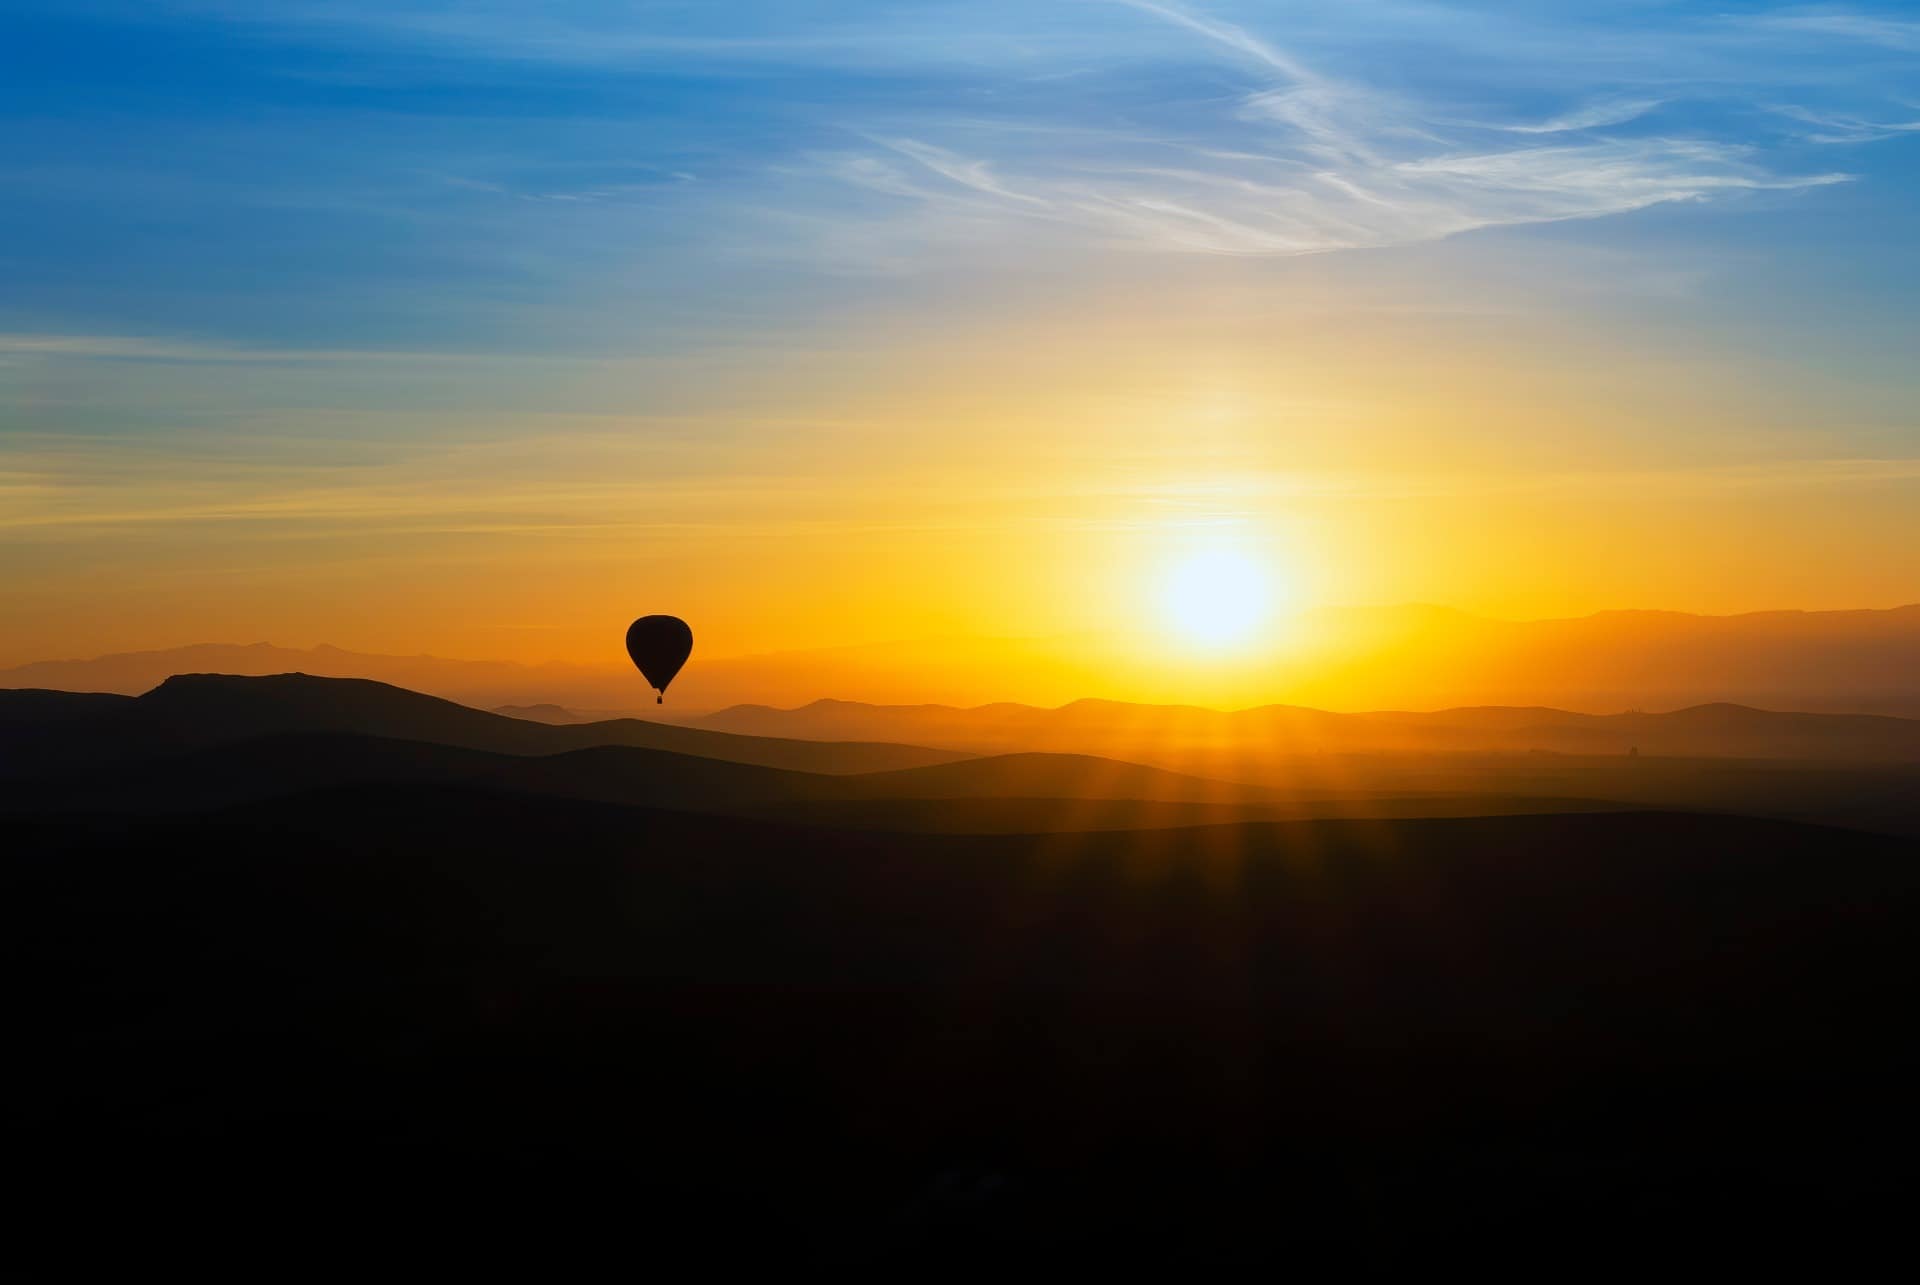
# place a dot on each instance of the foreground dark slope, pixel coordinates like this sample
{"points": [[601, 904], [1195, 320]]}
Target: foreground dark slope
{"points": [[1022, 792], [44, 730], [460, 1033]]}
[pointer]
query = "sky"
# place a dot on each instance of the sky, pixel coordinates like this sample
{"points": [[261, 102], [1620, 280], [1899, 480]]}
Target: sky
{"points": [[480, 327]]}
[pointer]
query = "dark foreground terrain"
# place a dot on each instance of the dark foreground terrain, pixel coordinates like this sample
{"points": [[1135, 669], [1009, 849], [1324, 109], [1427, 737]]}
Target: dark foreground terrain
{"points": [[453, 1033], [312, 980]]}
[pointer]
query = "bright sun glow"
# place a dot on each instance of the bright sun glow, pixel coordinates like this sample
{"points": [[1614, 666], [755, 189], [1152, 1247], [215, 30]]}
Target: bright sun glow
{"points": [[1216, 598]]}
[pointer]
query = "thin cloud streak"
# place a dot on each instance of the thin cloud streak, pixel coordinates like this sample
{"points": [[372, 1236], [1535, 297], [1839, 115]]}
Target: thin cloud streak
{"points": [[1233, 211], [1227, 35], [58, 491], [1834, 128], [1590, 117], [139, 348], [1888, 33]]}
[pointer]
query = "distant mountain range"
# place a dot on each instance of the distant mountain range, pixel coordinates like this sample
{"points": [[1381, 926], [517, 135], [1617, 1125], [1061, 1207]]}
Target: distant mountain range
{"points": [[1420, 658]]}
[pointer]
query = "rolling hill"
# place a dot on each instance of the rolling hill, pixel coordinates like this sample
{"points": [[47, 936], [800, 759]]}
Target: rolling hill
{"points": [[40, 730], [1036, 792]]}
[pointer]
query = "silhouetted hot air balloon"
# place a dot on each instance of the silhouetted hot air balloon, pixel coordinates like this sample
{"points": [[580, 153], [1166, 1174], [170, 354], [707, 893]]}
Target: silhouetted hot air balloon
{"points": [[659, 645]]}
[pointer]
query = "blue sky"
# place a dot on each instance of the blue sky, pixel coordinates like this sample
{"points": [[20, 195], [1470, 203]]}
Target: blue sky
{"points": [[254, 250], [504, 176]]}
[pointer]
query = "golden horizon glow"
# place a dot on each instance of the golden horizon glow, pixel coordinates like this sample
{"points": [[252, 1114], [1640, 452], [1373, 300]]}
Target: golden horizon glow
{"points": [[1018, 485]]}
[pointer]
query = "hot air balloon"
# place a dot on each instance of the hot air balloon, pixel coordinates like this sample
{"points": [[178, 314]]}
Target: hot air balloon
{"points": [[659, 645]]}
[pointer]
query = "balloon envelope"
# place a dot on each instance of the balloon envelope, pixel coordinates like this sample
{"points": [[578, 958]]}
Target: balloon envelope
{"points": [[659, 645]]}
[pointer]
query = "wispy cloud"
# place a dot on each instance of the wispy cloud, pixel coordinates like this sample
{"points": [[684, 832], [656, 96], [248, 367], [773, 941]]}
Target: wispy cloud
{"points": [[1592, 116], [168, 350], [1835, 127], [1231, 210], [1297, 161], [595, 33], [1227, 35], [1251, 492], [974, 175], [138, 348], [1846, 24]]}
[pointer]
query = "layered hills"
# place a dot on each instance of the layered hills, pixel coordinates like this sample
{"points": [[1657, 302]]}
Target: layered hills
{"points": [[197, 741]]}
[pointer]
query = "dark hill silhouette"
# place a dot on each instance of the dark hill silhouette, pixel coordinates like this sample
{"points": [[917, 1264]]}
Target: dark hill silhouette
{"points": [[1055, 776], [1035, 814], [32, 708], [1057, 791], [491, 1036], [545, 712], [620, 774], [1150, 732], [190, 710], [471, 682]]}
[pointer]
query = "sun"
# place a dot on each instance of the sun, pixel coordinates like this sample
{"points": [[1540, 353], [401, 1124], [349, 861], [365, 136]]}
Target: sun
{"points": [[1216, 597]]}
